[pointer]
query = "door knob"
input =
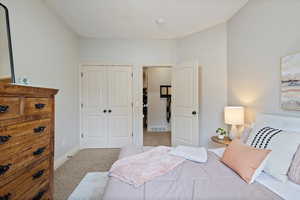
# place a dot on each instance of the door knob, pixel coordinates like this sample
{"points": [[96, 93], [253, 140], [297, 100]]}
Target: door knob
{"points": [[194, 112], [104, 111], [109, 111]]}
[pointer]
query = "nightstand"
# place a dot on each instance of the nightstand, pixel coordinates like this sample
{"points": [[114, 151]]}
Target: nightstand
{"points": [[226, 141]]}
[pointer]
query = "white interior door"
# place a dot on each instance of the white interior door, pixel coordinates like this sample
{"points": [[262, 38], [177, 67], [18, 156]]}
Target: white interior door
{"points": [[94, 107], [107, 106], [119, 106], [185, 106]]}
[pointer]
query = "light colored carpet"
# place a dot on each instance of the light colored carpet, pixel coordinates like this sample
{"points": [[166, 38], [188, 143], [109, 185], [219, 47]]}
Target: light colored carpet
{"points": [[69, 175], [157, 138], [91, 187]]}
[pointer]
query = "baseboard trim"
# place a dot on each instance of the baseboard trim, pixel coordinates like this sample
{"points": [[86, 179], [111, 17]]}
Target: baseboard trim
{"points": [[61, 160]]}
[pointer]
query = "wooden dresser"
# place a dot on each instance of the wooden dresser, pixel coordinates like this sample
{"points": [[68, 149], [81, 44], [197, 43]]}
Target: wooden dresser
{"points": [[26, 142]]}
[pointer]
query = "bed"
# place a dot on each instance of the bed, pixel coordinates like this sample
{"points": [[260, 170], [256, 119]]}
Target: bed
{"points": [[196, 181]]}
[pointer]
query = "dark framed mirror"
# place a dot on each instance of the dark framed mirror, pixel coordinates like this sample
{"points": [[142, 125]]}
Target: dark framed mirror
{"points": [[7, 73]]}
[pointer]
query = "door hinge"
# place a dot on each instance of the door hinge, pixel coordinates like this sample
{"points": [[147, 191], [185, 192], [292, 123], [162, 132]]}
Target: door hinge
{"points": [[81, 74], [82, 136]]}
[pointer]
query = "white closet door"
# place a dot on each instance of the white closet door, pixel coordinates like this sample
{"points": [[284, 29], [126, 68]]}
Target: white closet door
{"points": [[119, 106], [94, 100], [185, 107]]}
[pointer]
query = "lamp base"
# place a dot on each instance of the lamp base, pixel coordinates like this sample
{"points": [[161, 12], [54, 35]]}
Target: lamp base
{"points": [[234, 133]]}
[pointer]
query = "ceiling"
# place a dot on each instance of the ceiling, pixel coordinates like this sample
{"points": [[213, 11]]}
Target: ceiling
{"points": [[137, 18]]}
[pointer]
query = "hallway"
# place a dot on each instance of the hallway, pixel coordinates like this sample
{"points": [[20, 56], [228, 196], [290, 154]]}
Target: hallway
{"points": [[157, 138]]}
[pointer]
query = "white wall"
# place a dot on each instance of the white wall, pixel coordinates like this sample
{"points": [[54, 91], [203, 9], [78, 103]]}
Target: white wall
{"points": [[258, 36], [46, 52], [209, 47], [123, 51], [157, 76]]}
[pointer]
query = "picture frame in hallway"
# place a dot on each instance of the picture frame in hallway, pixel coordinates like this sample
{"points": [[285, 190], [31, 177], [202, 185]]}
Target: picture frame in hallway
{"points": [[165, 91]]}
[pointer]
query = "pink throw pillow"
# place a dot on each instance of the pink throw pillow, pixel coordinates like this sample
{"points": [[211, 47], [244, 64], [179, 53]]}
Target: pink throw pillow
{"points": [[246, 161]]}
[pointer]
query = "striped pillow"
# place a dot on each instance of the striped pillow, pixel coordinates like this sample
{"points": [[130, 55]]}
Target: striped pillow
{"points": [[283, 144], [294, 173], [263, 137]]}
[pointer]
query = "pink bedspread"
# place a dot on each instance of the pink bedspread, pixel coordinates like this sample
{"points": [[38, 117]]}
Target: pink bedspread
{"points": [[143, 167]]}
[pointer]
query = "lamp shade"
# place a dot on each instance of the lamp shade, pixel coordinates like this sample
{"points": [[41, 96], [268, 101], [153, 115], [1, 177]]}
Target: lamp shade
{"points": [[234, 115]]}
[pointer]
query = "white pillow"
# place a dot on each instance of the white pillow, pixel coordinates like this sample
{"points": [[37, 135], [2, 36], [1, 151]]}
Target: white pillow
{"points": [[260, 169], [197, 154], [245, 134], [283, 144]]}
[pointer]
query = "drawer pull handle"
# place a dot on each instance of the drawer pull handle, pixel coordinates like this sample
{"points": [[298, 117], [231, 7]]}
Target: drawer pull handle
{"points": [[38, 174], [4, 168], [39, 129], [3, 109], [39, 106], [39, 195], [4, 139], [39, 151], [5, 197]]}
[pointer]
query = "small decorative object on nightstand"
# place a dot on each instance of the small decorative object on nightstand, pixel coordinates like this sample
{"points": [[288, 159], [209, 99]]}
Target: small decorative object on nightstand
{"points": [[226, 141], [221, 133]]}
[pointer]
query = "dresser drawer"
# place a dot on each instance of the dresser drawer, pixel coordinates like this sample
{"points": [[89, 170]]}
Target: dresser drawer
{"points": [[20, 135], [39, 192], [35, 106], [9, 107], [37, 176], [11, 165]]}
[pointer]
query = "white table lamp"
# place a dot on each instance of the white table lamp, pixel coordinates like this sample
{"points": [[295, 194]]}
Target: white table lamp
{"points": [[234, 116]]}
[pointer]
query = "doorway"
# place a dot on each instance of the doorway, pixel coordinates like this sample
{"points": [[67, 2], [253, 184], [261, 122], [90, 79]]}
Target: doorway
{"points": [[157, 103]]}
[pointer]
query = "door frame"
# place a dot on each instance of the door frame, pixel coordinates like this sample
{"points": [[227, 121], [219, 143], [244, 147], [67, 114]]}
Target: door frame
{"points": [[139, 106], [80, 70]]}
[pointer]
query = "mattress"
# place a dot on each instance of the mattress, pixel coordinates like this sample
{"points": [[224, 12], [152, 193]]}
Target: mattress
{"points": [[190, 180]]}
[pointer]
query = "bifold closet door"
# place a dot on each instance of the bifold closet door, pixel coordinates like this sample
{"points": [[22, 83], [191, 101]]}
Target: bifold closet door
{"points": [[107, 106], [119, 105], [94, 107]]}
